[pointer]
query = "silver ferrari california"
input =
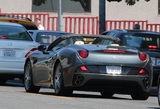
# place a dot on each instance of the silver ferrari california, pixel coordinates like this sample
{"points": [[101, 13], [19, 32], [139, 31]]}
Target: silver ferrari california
{"points": [[89, 63]]}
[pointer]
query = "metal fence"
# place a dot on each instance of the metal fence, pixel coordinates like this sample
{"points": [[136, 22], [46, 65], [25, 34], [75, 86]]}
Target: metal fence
{"points": [[85, 25]]}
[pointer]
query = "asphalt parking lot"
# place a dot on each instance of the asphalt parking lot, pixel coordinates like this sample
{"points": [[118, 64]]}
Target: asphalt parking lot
{"points": [[18, 82]]}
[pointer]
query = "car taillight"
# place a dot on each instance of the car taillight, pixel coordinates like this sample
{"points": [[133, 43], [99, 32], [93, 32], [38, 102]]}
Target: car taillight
{"points": [[114, 51], [4, 37], [141, 71], [82, 69], [83, 53], [152, 46], [33, 49], [14, 21], [142, 56]]}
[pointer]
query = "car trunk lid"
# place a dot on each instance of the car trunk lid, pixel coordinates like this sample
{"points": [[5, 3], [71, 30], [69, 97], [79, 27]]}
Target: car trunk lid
{"points": [[12, 49]]}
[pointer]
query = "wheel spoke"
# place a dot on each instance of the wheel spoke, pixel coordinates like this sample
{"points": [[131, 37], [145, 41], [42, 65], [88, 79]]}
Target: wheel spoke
{"points": [[57, 85], [57, 79], [27, 77], [159, 93]]}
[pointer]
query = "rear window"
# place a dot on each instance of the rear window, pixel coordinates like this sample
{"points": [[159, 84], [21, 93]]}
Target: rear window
{"points": [[103, 41], [30, 27], [14, 33], [47, 37], [140, 40]]}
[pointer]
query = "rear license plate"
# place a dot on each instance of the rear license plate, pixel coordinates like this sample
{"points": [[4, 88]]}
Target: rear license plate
{"points": [[113, 69], [9, 53]]}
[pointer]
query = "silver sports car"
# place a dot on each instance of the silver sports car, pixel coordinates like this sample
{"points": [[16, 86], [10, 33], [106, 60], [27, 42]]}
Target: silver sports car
{"points": [[83, 62]]}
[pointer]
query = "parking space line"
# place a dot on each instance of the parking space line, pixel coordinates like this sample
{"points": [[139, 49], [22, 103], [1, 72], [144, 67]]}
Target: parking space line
{"points": [[39, 94]]}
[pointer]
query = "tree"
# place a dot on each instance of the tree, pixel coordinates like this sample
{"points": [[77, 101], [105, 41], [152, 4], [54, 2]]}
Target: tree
{"points": [[85, 2], [132, 2], [38, 2]]}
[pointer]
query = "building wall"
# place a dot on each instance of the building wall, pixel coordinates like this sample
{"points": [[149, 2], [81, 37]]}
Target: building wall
{"points": [[141, 10], [119, 11], [16, 5]]}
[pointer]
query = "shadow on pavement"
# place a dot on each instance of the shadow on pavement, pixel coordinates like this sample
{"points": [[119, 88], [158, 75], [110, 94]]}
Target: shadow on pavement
{"points": [[19, 83]]}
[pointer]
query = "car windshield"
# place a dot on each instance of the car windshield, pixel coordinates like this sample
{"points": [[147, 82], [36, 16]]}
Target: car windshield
{"points": [[103, 41], [14, 33], [140, 40], [48, 37]]}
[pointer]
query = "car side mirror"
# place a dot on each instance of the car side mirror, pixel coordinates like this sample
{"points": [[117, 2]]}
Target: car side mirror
{"points": [[42, 48]]}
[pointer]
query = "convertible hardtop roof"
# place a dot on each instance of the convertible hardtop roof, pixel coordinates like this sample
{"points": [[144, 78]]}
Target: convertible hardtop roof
{"points": [[89, 36], [63, 37]]}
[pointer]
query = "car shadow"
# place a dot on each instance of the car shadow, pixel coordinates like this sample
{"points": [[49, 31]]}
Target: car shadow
{"points": [[19, 83], [87, 95], [14, 83], [153, 107], [153, 91]]}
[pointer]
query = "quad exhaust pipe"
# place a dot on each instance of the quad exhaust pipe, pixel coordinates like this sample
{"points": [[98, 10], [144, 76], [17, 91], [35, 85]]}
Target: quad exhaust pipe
{"points": [[146, 82], [78, 79]]}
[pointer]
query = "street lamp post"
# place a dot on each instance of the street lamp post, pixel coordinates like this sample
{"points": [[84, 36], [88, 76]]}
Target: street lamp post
{"points": [[102, 15], [60, 16]]}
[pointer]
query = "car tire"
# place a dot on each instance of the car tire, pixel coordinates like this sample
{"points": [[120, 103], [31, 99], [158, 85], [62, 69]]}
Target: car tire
{"points": [[59, 83], [106, 94], [158, 90], [3, 80], [28, 79], [140, 96]]}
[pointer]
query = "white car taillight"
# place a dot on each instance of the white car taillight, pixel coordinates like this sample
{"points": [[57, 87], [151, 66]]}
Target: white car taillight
{"points": [[33, 49]]}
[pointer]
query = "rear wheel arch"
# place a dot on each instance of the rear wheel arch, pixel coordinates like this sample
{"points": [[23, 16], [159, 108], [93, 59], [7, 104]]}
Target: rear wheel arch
{"points": [[26, 62]]}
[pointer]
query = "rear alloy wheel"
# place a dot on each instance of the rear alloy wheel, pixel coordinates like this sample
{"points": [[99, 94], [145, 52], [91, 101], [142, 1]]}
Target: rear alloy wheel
{"points": [[107, 94], [158, 85], [28, 80], [140, 96], [58, 82]]}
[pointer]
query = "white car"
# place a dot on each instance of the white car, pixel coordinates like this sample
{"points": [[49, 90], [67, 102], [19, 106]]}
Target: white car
{"points": [[15, 45]]}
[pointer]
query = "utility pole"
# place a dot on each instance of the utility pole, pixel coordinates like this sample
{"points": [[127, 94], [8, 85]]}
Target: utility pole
{"points": [[102, 15], [60, 16]]}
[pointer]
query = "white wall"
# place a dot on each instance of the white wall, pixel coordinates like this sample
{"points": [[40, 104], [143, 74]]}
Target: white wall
{"points": [[16, 5], [140, 11]]}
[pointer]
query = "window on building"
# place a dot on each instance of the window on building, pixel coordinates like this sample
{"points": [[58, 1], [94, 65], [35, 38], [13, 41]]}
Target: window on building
{"points": [[72, 6]]}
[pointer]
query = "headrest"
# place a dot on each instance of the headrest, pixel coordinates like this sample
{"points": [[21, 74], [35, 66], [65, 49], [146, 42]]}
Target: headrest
{"points": [[114, 44], [79, 42]]}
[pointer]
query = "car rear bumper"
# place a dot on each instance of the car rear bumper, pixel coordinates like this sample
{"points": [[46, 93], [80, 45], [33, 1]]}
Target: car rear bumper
{"points": [[12, 67], [116, 83]]}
